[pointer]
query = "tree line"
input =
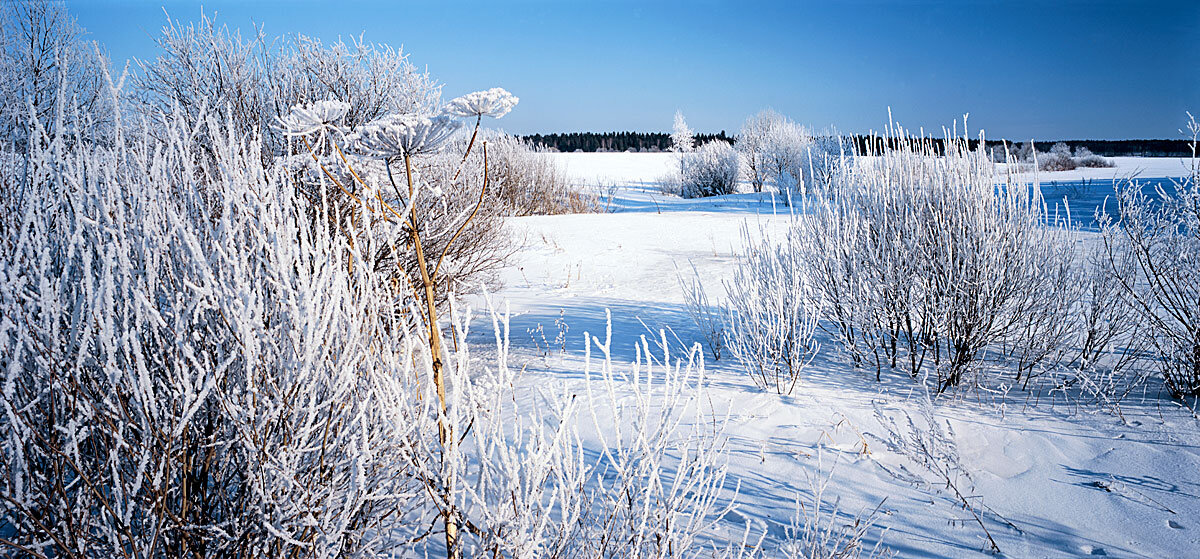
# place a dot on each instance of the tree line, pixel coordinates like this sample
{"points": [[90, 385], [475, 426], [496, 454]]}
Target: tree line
{"points": [[661, 141], [614, 141]]}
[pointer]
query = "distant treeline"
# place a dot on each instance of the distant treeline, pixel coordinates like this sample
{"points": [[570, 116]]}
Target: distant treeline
{"points": [[1125, 148], [661, 141], [1106, 148], [614, 141]]}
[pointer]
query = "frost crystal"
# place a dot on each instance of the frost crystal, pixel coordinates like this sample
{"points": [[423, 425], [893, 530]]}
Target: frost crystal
{"points": [[495, 102], [314, 117], [402, 135]]}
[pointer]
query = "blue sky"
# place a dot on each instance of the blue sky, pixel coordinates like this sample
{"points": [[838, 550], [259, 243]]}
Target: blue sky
{"points": [[1100, 69]]}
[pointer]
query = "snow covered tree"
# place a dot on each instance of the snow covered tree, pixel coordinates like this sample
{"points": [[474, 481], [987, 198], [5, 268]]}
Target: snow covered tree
{"points": [[752, 143], [44, 57], [682, 137], [789, 155]]}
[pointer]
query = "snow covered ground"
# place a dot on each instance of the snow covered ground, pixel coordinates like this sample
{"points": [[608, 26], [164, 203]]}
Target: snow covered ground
{"points": [[1053, 479]]}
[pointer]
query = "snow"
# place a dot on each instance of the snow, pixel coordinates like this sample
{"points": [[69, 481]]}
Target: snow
{"points": [[1071, 481]]}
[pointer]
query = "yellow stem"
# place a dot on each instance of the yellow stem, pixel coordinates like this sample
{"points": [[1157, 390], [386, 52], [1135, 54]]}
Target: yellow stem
{"points": [[445, 434], [468, 152], [463, 227]]}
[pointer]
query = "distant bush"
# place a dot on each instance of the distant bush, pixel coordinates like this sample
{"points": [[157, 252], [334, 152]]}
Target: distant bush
{"points": [[711, 170], [1085, 158], [1059, 159]]}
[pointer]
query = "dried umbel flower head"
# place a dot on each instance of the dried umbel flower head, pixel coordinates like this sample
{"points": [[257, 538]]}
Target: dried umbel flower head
{"points": [[314, 117], [495, 102], [400, 135]]}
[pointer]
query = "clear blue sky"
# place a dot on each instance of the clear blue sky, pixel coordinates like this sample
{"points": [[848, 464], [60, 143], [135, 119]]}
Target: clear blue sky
{"points": [[1098, 69]]}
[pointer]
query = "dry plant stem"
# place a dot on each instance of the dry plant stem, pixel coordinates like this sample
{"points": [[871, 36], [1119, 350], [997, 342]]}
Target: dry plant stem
{"points": [[378, 195], [471, 143], [328, 174], [445, 435], [463, 227]]}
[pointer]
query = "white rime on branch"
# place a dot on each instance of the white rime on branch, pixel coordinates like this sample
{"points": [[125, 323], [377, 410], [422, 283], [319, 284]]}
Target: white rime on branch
{"points": [[495, 102], [772, 317]]}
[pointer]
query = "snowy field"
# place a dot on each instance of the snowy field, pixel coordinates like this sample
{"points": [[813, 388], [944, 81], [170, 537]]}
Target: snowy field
{"points": [[285, 296], [1054, 479]]}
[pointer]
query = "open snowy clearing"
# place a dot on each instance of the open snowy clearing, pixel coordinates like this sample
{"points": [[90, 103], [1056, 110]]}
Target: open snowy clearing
{"points": [[1054, 479]]}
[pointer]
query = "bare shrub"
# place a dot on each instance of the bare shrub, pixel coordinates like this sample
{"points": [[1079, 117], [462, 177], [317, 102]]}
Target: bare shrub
{"points": [[929, 444], [1043, 317], [1161, 237], [526, 180], [1110, 341], [772, 315], [919, 254], [709, 318], [820, 530]]}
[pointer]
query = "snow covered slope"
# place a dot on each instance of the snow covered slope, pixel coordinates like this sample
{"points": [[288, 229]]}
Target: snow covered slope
{"points": [[1053, 479]]}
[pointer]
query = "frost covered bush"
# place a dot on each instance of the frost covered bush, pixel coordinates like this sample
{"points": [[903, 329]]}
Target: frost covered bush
{"points": [[203, 65], [465, 237], [1059, 159], [200, 370], [711, 170], [772, 318], [1085, 158], [215, 351], [919, 256], [709, 318], [752, 145], [1159, 240], [227, 368], [1111, 338], [786, 153], [526, 181]]}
